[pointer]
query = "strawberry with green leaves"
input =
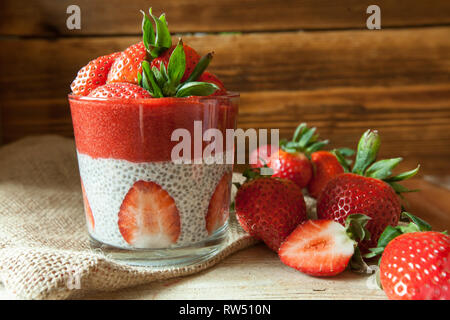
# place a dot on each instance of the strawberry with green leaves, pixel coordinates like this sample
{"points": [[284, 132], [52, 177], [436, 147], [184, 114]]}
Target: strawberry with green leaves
{"points": [[269, 209], [160, 68], [415, 261], [292, 161], [368, 189]]}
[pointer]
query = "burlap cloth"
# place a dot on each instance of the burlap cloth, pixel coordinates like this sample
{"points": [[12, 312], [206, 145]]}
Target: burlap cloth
{"points": [[43, 237]]}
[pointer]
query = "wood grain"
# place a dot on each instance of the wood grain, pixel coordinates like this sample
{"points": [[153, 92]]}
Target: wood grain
{"points": [[414, 121], [39, 68], [116, 17]]}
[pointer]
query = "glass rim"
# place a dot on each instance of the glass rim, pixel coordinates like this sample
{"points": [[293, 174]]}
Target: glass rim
{"points": [[229, 95]]}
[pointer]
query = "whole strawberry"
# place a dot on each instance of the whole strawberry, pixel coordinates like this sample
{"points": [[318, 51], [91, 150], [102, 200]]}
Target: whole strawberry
{"points": [[325, 167], [292, 159], [120, 90], [416, 266], [369, 189], [93, 74], [270, 209], [128, 64], [159, 67]]}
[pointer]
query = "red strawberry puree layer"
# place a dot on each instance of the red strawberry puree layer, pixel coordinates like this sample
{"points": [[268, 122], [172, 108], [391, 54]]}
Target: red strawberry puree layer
{"points": [[140, 130]]}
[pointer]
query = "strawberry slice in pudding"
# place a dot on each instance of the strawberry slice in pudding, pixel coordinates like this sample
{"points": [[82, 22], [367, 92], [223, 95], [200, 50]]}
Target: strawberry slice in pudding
{"points": [[148, 217], [87, 210], [127, 109], [217, 213]]}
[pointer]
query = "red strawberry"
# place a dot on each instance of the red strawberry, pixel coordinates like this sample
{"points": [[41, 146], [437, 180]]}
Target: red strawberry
{"points": [[269, 209], [128, 64], [148, 216], [325, 167], [217, 213], [260, 156], [318, 248], [192, 58], [120, 90], [293, 166], [291, 161], [364, 191], [416, 266], [87, 210], [93, 75], [209, 77]]}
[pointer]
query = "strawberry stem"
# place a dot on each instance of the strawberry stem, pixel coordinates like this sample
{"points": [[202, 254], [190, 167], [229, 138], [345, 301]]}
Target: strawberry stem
{"points": [[367, 151]]}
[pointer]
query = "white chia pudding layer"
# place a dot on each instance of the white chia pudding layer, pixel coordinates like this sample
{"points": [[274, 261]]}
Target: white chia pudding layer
{"points": [[107, 181]]}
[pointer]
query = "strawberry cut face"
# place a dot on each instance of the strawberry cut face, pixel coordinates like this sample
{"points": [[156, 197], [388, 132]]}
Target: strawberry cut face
{"points": [[87, 210], [318, 248], [217, 213], [148, 217]]}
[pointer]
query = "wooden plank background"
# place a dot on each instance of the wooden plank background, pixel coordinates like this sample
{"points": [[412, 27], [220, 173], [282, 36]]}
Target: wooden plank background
{"points": [[292, 61]]}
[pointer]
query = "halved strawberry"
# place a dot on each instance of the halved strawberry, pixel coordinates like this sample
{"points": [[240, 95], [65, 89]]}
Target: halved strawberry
{"points": [[318, 248], [219, 204], [120, 90], [149, 217], [93, 75], [87, 210], [128, 64], [211, 78]]}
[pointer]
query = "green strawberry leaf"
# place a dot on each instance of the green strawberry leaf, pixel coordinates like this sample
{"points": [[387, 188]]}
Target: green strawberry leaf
{"points": [[158, 76], [404, 175], [139, 78], [195, 88], [421, 224], [306, 137], [163, 40], [382, 168], [177, 65], [355, 226], [341, 159], [200, 67], [299, 132], [346, 152], [149, 82], [367, 151], [148, 34], [357, 263], [398, 188], [316, 146]]}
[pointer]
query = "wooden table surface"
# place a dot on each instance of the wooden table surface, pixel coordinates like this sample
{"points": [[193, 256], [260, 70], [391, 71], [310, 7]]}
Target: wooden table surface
{"points": [[257, 273]]}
